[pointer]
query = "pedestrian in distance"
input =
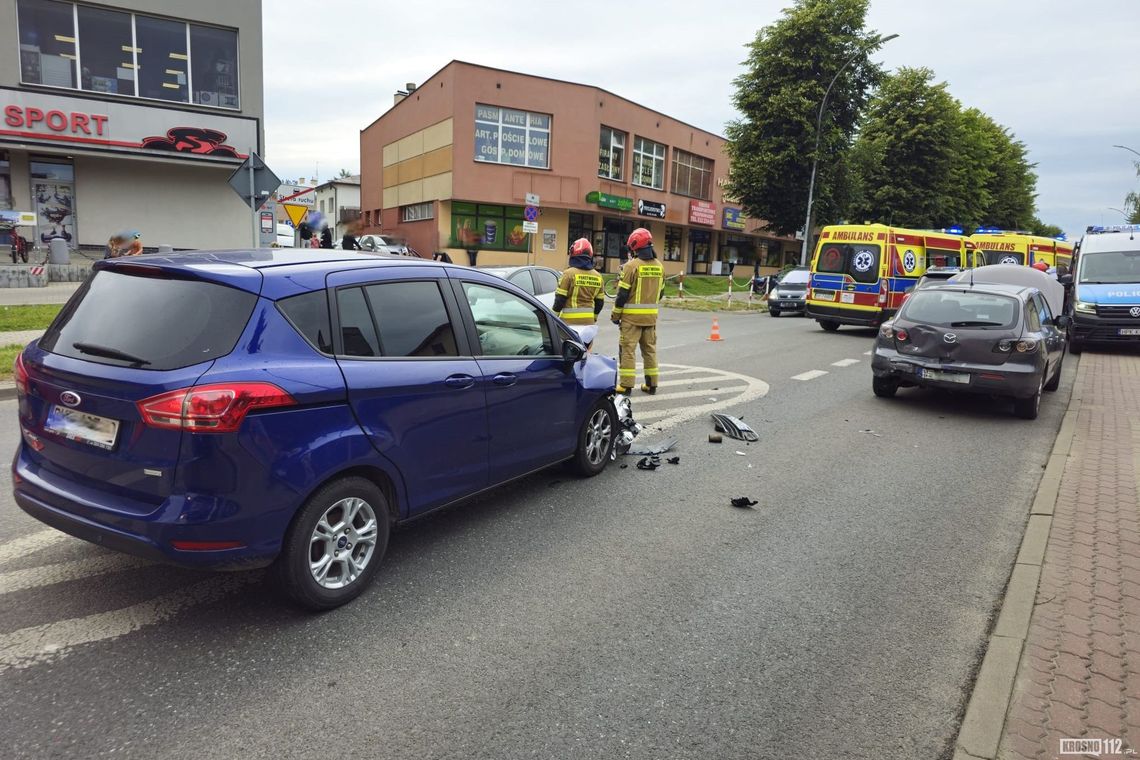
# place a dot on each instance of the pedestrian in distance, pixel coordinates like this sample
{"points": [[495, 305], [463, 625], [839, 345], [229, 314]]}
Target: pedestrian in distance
{"points": [[124, 243], [326, 237], [635, 312], [579, 297], [349, 241]]}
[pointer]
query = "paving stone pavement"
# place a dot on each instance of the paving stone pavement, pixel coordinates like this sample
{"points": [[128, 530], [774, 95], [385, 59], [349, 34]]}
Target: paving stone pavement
{"points": [[1079, 675]]}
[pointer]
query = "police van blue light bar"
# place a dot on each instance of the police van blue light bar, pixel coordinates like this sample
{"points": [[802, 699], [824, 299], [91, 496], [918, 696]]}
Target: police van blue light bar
{"points": [[1102, 229], [955, 230]]}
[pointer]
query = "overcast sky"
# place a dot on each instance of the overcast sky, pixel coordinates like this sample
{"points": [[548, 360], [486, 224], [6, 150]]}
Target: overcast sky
{"points": [[1064, 75]]}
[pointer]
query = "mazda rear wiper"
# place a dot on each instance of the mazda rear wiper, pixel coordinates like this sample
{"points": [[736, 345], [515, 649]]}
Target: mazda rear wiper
{"points": [[975, 323], [108, 352]]}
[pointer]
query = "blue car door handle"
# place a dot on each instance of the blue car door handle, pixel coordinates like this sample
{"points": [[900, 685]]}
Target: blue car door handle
{"points": [[459, 381], [505, 378]]}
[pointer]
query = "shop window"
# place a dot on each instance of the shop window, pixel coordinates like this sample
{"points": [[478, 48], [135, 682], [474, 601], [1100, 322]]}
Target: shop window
{"points": [[417, 212], [47, 42], [648, 163], [5, 182], [484, 226], [107, 50], [508, 136], [163, 72], [581, 226], [673, 243], [692, 175], [611, 154], [213, 66]]}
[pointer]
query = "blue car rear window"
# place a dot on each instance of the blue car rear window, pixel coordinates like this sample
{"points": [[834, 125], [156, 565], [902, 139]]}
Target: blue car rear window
{"points": [[149, 322]]}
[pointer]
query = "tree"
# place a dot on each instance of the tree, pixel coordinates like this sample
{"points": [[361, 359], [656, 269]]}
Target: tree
{"points": [[907, 153], [1014, 185], [344, 174], [1132, 201], [789, 66], [1038, 227]]}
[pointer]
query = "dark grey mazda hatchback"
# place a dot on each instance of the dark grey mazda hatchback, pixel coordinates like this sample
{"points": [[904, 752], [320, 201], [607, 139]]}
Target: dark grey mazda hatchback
{"points": [[1000, 340]]}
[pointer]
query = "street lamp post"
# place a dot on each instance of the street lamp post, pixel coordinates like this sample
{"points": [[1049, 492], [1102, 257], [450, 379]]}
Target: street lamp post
{"points": [[877, 42], [1125, 147], [1119, 211]]}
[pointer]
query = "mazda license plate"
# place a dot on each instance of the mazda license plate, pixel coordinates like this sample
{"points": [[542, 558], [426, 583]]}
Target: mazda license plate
{"points": [[80, 426], [946, 377]]}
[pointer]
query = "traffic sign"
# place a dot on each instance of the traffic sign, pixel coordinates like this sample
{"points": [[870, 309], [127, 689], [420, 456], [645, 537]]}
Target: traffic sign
{"points": [[296, 213], [530, 213], [264, 181], [532, 199], [531, 227], [297, 195]]}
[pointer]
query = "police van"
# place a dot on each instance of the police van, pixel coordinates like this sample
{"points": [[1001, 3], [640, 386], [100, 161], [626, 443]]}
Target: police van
{"points": [[1105, 303]]}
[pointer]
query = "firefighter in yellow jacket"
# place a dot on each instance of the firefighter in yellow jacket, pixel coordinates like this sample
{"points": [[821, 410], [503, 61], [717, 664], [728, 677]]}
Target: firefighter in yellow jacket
{"points": [[579, 297], [635, 311]]}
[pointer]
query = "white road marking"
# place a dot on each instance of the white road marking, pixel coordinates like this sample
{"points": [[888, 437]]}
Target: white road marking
{"points": [[745, 387], [61, 572], [867, 353], [690, 381], [642, 398], [811, 374], [31, 543], [844, 362], [41, 643]]}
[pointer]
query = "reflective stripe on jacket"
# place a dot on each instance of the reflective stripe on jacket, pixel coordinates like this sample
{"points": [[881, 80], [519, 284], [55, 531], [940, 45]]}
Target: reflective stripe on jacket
{"points": [[643, 280], [582, 288]]}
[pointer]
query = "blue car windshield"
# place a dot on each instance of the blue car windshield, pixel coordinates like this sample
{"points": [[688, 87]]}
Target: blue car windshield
{"points": [[1111, 267]]}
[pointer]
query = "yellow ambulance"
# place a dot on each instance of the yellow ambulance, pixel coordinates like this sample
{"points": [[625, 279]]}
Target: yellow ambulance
{"points": [[1000, 247]]}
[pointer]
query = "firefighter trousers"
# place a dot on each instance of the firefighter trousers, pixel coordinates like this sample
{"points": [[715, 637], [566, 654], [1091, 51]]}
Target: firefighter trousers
{"points": [[633, 336]]}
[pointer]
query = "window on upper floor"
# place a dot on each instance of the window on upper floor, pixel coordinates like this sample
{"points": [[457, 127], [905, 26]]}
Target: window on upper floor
{"points": [[510, 136], [115, 52], [692, 175], [648, 163], [611, 154]]}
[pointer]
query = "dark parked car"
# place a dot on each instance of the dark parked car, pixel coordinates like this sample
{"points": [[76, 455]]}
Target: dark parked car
{"points": [[238, 409], [986, 338], [789, 294]]}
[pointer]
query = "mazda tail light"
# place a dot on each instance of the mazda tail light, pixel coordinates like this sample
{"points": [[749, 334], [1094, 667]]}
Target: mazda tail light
{"points": [[218, 408]]}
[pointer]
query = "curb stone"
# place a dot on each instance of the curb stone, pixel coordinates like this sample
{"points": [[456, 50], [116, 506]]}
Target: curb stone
{"points": [[981, 731]]}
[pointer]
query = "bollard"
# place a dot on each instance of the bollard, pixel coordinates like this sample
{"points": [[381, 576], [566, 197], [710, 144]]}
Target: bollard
{"points": [[57, 251]]}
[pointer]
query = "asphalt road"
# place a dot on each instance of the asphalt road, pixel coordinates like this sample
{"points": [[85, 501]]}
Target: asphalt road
{"points": [[633, 615]]}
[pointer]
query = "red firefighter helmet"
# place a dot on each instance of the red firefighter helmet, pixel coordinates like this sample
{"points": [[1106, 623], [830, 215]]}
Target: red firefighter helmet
{"points": [[1041, 266], [639, 238], [581, 247]]}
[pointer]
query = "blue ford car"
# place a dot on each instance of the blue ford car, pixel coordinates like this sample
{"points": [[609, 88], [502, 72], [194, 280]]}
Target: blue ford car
{"points": [[239, 409]]}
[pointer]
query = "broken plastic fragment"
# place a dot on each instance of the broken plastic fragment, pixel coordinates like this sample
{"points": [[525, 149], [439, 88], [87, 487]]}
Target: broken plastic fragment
{"points": [[734, 427], [649, 463], [744, 503], [652, 449], [674, 460]]}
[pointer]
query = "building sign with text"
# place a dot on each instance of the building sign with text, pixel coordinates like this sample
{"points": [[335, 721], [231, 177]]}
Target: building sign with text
{"points": [[733, 219], [651, 208], [605, 200], [702, 212], [82, 123]]}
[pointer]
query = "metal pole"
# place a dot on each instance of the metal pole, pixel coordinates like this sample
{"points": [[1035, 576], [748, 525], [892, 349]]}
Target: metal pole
{"points": [[253, 204]]}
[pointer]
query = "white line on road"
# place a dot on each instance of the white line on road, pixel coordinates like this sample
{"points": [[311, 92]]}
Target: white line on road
{"points": [[752, 389], [690, 381], [867, 353], [645, 399], [844, 362], [61, 572], [811, 374], [29, 646], [28, 544]]}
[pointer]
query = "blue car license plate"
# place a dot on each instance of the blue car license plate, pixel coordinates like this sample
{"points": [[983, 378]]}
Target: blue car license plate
{"points": [[80, 426]]}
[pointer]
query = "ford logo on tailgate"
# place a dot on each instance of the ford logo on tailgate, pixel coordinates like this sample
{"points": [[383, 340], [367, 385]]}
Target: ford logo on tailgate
{"points": [[69, 398]]}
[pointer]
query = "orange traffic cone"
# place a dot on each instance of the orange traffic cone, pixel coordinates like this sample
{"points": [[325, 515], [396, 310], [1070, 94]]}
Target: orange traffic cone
{"points": [[715, 334]]}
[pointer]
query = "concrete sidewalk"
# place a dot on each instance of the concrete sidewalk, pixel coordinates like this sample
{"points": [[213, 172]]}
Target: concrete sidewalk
{"points": [[56, 292], [1079, 673]]}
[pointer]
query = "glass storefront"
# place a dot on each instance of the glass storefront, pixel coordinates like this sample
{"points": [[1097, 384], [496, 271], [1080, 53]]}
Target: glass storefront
{"points": [[700, 243]]}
